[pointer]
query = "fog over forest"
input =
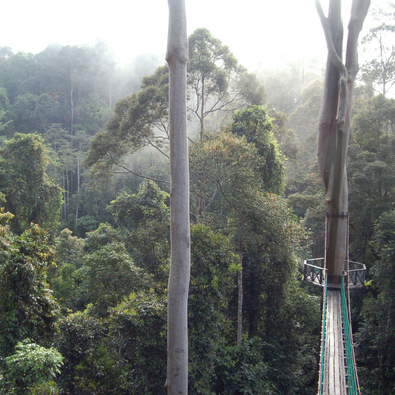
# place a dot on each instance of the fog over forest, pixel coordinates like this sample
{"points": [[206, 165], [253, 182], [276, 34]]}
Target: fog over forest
{"points": [[276, 33], [85, 197]]}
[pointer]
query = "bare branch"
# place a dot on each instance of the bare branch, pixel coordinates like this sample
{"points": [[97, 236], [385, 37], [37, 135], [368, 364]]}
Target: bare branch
{"points": [[211, 200], [221, 107], [140, 175], [132, 172], [155, 146]]}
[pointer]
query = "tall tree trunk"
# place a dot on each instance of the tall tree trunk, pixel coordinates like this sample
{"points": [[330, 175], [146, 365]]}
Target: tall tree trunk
{"points": [[334, 125], [71, 127], [64, 196], [78, 183], [202, 112], [240, 298], [71, 109], [178, 288]]}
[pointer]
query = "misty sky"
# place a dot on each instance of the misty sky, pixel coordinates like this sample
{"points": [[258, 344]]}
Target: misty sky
{"points": [[261, 34]]}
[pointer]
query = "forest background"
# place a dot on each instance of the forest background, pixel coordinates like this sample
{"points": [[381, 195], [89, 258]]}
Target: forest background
{"points": [[84, 181]]}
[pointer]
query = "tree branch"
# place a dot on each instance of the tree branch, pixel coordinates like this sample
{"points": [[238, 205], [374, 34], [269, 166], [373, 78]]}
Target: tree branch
{"points": [[155, 146], [333, 56], [139, 175], [133, 172], [211, 200]]}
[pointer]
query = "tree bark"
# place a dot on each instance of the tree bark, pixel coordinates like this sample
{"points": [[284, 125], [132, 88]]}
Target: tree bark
{"points": [[71, 108], [202, 112], [240, 298], [178, 287], [334, 125]]}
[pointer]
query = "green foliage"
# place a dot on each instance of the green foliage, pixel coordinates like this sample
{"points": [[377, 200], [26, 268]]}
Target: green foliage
{"points": [[32, 113], [376, 337], [103, 235], [210, 63], [371, 173], [216, 81], [27, 307], [76, 339], [373, 123], [73, 88], [262, 228], [146, 217], [213, 270], [49, 388], [4, 110], [137, 209], [109, 273], [241, 370], [286, 137], [4, 217], [63, 277], [256, 126], [271, 240], [225, 165], [132, 126], [380, 68], [31, 195], [94, 116], [68, 249], [138, 328], [310, 208], [32, 365], [251, 89]]}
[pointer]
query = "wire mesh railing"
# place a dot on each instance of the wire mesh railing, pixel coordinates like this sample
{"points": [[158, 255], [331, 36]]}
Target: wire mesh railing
{"points": [[313, 271], [356, 274], [352, 377], [323, 338]]}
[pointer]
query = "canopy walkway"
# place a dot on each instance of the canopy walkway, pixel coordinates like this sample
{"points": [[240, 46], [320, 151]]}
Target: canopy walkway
{"points": [[337, 368]]}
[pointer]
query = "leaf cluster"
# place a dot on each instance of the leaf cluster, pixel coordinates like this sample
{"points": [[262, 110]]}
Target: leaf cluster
{"points": [[27, 307], [31, 364]]}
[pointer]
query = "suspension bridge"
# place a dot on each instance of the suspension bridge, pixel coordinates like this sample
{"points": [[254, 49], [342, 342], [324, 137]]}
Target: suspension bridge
{"points": [[337, 367]]}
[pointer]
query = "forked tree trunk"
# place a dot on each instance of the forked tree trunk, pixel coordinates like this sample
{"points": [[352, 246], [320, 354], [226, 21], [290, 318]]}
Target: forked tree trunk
{"points": [[334, 124], [177, 315]]}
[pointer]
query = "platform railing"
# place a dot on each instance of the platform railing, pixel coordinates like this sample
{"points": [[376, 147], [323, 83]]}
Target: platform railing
{"points": [[356, 274], [313, 272]]}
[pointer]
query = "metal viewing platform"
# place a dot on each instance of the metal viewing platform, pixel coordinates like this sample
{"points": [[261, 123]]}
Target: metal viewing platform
{"points": [[337, 372]]}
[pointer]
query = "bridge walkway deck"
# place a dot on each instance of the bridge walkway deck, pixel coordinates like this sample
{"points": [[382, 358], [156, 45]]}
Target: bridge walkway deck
{"points": [[334, 380]]}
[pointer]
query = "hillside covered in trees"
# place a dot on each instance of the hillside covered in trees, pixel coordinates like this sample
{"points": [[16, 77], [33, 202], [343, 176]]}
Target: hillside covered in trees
{"points": [[84, 222]]}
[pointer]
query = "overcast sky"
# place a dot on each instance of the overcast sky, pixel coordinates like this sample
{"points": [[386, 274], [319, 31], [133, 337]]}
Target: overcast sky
{"points": [[261, 34]]}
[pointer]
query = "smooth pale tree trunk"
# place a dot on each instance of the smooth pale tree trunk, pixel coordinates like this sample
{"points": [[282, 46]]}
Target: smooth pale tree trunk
{"points": [[202, 112], [71, 109], [334, 125], [240, 298], [178, 288]]}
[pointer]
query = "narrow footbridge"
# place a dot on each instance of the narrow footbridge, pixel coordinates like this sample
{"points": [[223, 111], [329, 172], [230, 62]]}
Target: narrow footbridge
{"points": [[337, 368]]}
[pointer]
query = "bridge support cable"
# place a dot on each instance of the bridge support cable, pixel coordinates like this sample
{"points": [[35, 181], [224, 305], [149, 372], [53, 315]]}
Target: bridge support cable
{"points": [[337, 366], [352, 374], [333, 371], [323, 335]]}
